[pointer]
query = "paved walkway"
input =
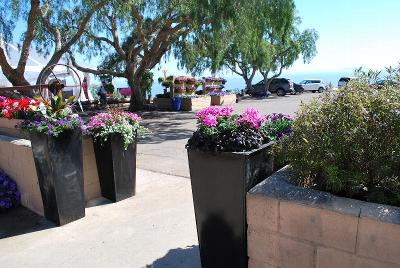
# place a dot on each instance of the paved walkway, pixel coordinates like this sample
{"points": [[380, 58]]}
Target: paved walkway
{"points": [[156, 228], [164, 150]]}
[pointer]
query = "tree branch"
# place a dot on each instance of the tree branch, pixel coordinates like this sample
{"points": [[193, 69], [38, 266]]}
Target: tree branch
{"points": [[30, 34], [93, 71]]}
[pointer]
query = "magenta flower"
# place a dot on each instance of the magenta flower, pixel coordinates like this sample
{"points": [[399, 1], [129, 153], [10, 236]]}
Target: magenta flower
{"points": [[251, 118], [210, 120], [209, 116]]}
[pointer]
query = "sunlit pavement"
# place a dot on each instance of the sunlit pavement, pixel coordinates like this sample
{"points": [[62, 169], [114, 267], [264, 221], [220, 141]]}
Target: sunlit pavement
{"points": [[156, 228], [164, 150]]}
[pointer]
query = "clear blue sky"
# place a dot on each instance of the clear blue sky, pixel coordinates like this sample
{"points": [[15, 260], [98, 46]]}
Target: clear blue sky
{"points": [[352, 33]]}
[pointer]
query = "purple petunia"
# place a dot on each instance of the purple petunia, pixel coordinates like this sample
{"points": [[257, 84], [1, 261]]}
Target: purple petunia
{"points": [[9, 194]]}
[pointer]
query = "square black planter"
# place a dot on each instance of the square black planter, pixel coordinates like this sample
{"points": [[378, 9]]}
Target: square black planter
{"points": [[116, 168], [59, 168], [220, 182]]}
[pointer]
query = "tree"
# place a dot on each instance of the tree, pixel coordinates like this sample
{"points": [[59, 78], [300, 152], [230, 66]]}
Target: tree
{"points": [[282, 42], [133, 36], [52, 26], [267, 42]]}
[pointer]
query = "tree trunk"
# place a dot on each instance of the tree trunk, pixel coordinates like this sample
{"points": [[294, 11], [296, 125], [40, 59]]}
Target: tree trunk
{"points": [[16, 79], [267, 82], [248, 83], [136, 103]]}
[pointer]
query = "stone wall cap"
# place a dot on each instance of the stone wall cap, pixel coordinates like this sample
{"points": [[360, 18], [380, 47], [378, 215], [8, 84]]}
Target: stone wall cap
{"points": [[278, 186], [15, 140]]}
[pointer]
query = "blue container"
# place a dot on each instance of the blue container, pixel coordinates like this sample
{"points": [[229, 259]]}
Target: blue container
{"points": [[176, 103]]}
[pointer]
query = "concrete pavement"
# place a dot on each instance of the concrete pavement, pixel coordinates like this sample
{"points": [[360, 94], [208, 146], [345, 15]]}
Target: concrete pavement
{"points": [[156, 228], [164, 150]]}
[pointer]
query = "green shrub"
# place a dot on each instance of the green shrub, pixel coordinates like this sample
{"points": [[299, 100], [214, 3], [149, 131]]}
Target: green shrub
{"points": [[348, 143]]}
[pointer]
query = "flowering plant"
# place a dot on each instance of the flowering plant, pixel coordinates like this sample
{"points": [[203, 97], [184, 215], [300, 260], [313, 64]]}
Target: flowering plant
{"points": [[218, 129], [115, 122], [214, 79], [53, 119], [19, 109], [277, 126], [220, 93], [9, 195]]}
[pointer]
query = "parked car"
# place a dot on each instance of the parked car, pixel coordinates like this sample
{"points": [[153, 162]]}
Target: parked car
{"points": [[298, 88], [280, 86], [382, 82], [313, 85], [344, 80]]}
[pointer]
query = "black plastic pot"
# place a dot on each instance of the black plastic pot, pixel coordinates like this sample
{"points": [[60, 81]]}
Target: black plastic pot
{"points": [[59, 168], [116, 168], [219, 186]]}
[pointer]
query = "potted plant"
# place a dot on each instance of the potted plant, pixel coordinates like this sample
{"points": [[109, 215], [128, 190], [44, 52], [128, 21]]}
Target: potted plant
{"points": [[12, 112], [56, 138], [228, 155], [114, 134]]}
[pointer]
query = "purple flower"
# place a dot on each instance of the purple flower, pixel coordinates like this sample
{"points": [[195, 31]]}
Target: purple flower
{"points": [[9, 195]]}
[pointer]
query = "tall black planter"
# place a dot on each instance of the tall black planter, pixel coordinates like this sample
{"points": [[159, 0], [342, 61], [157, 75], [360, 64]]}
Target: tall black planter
{"points": [[59, 168], [116, 168], [219, 185]]}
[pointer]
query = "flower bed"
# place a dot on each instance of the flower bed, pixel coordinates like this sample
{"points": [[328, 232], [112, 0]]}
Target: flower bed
{"points": [[10, 197], [222, 98], [195, 102], [348, 143]]}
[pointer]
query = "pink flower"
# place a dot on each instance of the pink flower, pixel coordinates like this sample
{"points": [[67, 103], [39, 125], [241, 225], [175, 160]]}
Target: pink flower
{"points": [[210, 120], [209, 116], [251, 118]]}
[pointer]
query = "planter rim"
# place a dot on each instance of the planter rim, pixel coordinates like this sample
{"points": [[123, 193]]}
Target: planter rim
{"points": [[278, 186], [234, 153]]}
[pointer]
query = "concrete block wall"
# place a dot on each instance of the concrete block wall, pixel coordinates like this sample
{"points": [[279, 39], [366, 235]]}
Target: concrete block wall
{"points": [[289, 226], [16, 159]]}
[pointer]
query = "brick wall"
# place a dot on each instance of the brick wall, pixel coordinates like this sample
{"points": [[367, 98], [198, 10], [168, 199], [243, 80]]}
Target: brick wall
{"points": [[16, 159], [290, 226]]}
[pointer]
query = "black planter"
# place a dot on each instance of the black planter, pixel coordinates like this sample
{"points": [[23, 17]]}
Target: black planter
{"points": [[219, 186], [116, 168], [59, 168]]}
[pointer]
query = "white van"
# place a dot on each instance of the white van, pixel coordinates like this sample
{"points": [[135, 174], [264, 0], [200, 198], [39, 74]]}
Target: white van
{"points": [[313, 85]]}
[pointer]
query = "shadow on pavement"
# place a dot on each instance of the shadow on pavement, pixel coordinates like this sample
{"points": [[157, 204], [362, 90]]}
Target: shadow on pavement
{"points": [[179, 258], [22, 221]]}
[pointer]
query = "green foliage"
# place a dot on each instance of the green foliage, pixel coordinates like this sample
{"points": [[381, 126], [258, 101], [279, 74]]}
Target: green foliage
{"points": [[146, 83], [348, 142]]}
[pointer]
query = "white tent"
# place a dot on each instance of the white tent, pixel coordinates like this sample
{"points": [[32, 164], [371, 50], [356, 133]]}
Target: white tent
{"points": [[35, 65]]}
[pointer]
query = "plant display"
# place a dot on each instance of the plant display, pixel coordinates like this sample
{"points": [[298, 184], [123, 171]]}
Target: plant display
{"points": [[220, 93], [19, 109], [214, 79], [115, 122], [10, 197], [52, 119], [218, 129], [348, 143]]}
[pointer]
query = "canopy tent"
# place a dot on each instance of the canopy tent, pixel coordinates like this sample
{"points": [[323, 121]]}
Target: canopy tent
{"points": [[35, 65]]}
